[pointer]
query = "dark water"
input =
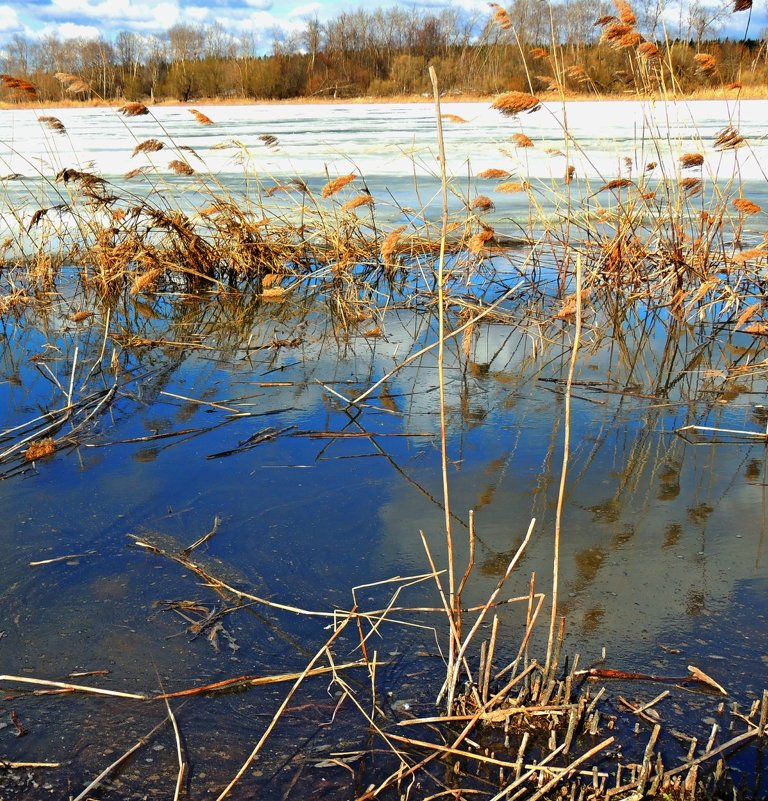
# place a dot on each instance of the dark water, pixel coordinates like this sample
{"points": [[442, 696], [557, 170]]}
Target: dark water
{"points": [[664, 537]]}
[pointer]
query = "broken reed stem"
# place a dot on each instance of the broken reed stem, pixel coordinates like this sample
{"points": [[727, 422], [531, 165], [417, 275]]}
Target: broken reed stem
{"points": [[441, 377], [276, 717], [550, 666], [61, 685], [179, 752]]}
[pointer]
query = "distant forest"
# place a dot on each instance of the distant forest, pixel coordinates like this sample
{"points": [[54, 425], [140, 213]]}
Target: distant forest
{"points": [[578, 46]]}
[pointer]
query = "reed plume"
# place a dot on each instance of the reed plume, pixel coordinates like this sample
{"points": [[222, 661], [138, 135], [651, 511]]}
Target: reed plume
{"points": [[514, 103], [54, 123], [148, 146], [180, 167], [728, 139], [494, 172], [521, 140], [203, 119], [705, 62], [689, 160], [746, 206], [512, 186], [357, 201], [133, 109], [482, 203], [337, 184]]}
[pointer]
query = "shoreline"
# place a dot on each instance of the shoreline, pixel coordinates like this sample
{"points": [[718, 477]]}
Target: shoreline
{"points": [[745, 93]]}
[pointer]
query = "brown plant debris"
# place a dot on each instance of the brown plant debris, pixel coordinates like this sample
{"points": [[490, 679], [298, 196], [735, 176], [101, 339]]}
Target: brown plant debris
{"points": [[478, 241], [728, 139], [40, 449], [79, 316], [203, 119], [746, 206], [513, 103], [148, 146], [705, 62], [688, 160], [54, 123], [180, 167], [133, 109], [521, 140], [494, 172], [337, 184], [482, 203]]}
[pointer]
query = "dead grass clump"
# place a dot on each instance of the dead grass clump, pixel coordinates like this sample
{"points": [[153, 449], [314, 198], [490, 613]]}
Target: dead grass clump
{"points": [[689, 160], [745, 206], [521, 140], [514, 103], [203, 119], [337, 184], [40, 449], [133, 109], [180, 167], [494, 172]]}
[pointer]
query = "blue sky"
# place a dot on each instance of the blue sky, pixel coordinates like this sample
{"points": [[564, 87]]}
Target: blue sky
{"points": [[93, 18], [35, 19]]}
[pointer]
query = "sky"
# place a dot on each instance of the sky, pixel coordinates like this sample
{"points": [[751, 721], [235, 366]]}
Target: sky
{"points": [[93, 18], [35, 19]]}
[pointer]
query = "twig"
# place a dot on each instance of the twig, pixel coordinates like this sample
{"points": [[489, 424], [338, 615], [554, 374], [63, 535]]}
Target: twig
{"points": [[72, 687]]}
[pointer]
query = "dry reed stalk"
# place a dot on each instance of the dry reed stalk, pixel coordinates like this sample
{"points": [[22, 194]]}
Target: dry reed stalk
{"points": [[180, 167], [514, 103], [337, 184], [54, 123], [512, 186], [203, 119], [551, 664], [482, 203], [133, 109], [746, 206], [689, 160], [357, 201], [148, 146], [61, 685], [441, 369], [705, 62]]}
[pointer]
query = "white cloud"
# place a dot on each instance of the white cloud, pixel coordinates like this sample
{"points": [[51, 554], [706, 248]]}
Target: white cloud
{"points": [[306, 10], [69, 30], [9, 19]]}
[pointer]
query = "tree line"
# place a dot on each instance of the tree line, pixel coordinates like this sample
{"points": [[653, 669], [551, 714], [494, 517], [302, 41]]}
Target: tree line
{"points": [[386, 52]]}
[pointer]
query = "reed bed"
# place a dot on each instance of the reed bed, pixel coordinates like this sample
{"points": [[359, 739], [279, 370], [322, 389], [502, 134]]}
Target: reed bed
{"points": [[656, 242]]}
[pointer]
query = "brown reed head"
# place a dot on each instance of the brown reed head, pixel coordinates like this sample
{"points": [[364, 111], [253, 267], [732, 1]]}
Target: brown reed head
{"points": [[625, 12], [512, 186], [148, 146], [514, 103], [40, 449], [180, 167], [203, 119], [494, 172], [742, 5], [133, 109], [689, 160], [501, 17], [21, 86], [616, 183], [538, 54], [358, 201], [746, 206], [521, 140], [649, 51], [705, 62], [728, 139], [691, 186], [54, 123], [272, 142], [337, 184], [482, 203]]}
